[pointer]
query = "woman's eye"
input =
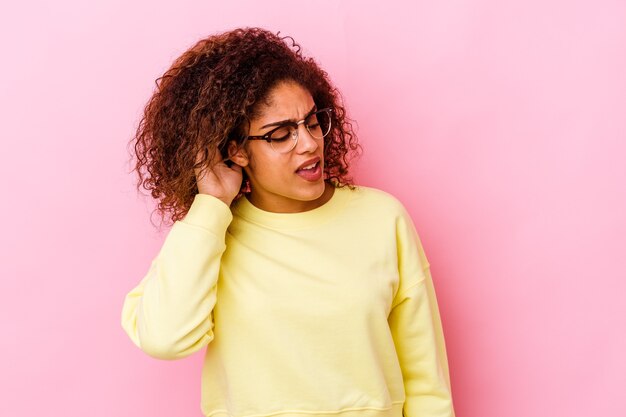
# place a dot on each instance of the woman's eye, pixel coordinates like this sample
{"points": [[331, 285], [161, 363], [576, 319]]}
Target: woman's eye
{"points": [[281, 134]]}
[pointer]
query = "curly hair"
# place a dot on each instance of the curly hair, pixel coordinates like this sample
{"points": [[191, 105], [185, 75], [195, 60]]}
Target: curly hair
{"points": [[208, 96]]}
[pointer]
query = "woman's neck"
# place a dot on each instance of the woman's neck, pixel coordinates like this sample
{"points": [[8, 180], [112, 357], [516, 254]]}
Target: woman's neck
{"points": [[286, 205]]}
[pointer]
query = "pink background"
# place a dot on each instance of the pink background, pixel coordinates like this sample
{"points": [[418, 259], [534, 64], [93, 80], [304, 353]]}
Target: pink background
{"points": [[501, 126]]}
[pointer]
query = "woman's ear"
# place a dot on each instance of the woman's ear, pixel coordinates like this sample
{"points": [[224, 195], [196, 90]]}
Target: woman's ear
{"points": [[237, 154]]}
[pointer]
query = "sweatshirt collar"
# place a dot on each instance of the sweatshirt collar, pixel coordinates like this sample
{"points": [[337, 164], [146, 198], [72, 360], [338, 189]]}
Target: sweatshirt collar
{"points": [[302, 220]]}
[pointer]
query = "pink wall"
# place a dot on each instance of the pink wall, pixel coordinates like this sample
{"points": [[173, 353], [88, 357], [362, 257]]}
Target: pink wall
{"points": [[499, 124]]}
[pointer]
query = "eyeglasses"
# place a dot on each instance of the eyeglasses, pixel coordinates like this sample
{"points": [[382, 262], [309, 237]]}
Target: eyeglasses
{"points": [[284, 138]]}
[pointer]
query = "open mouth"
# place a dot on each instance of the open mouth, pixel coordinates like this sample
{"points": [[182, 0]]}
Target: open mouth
{"points": [[309, 168], [311, 172]]}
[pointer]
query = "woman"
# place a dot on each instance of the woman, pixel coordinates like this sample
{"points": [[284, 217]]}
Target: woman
{"points": [[311, 295]]}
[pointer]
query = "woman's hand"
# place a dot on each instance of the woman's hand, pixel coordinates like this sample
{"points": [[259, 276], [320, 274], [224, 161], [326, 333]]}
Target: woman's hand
{"points": [[219, 180]]}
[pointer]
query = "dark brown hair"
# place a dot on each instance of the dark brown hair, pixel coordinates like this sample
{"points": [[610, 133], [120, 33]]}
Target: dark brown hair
{"points": [[208, 97]]}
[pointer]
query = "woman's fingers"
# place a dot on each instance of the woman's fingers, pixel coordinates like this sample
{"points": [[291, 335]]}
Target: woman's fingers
{"points": [[216, 178], [202, 170]]}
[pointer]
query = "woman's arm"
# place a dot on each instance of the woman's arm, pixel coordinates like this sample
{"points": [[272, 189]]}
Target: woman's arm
{"points": [[169, 314], [416, 327]]}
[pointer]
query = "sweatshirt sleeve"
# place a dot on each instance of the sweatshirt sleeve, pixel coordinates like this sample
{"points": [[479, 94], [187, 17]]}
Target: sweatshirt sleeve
{"points": [[417, 331], [169, 314]]}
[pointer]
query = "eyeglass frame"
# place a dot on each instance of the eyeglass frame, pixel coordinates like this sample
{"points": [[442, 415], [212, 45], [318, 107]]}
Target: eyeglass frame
{"points": [[266, 137]]}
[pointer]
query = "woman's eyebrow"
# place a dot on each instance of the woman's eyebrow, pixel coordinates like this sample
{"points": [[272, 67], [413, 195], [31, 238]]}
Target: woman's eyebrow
{"points": [[289, 120]]}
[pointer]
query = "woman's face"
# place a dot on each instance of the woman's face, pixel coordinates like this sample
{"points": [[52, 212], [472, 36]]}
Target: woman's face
{"points": [[276, 183]]}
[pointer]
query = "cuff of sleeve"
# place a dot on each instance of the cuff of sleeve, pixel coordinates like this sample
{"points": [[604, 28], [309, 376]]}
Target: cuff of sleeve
{"points": [[208, 212]]}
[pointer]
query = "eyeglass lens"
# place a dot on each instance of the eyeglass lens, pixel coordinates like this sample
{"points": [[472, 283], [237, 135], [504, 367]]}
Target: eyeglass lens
{"points": [[317, 124]]}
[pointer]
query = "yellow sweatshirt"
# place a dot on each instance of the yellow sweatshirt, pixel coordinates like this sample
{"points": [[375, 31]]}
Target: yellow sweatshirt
{"points": [[330, 311]]}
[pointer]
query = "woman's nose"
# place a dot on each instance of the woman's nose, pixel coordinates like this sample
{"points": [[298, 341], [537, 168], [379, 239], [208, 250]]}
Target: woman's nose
{"points": [[306, 142]]}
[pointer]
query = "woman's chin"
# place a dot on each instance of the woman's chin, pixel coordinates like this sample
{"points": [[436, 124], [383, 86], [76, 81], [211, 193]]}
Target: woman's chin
{"points": [[315, 191], [324, 193]]}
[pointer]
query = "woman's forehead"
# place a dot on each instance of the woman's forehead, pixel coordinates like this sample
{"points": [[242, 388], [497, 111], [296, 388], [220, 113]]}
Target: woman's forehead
{"points": [[288, 100]]}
